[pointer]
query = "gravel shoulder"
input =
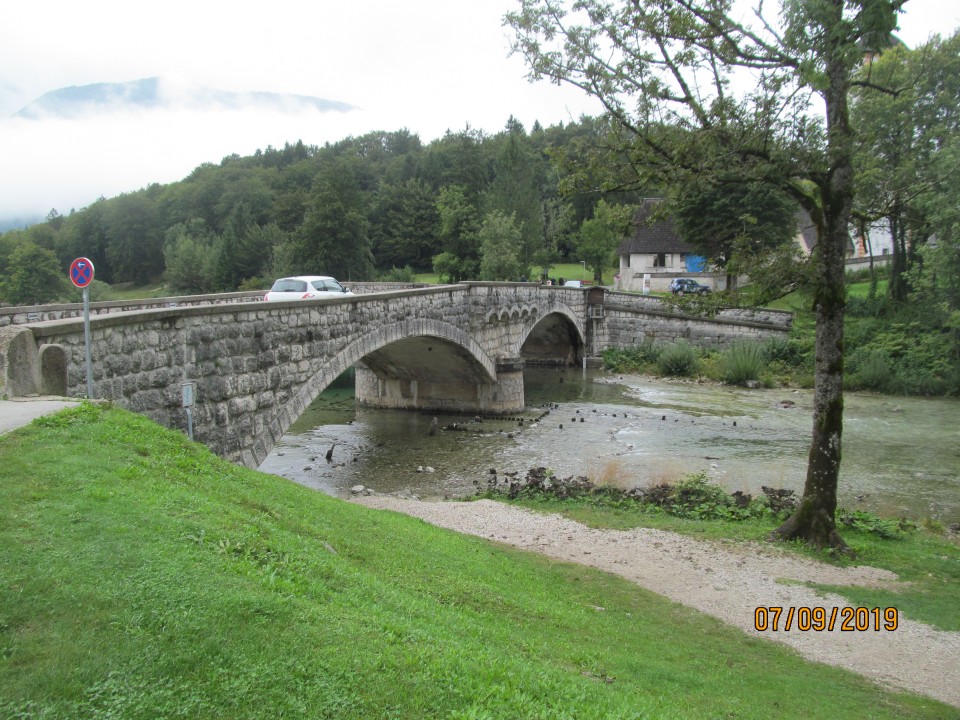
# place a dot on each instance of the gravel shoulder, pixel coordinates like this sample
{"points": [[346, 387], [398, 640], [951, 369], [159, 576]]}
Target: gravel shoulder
{"points": [[725, 580]]}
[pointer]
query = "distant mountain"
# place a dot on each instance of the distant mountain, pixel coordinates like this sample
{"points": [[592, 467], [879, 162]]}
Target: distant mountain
{"points": [[161, 94]]}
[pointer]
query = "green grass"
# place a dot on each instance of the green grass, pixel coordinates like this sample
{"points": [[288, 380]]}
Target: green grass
{"points": [[140, 577], [127, 291], [862, 289]]}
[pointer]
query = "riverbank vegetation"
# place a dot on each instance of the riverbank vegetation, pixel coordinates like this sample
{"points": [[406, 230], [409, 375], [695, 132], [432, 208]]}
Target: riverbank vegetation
{"points": [[893, 348], [925, 556], [142, 577]]}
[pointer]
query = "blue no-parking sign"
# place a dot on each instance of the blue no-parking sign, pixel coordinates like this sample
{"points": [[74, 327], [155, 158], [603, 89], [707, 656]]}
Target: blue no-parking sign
{"points": [[81, 272]]}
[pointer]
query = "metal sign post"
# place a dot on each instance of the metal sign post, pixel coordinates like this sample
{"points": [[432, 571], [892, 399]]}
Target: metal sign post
{"points": [[81, 275], [187, 393]]}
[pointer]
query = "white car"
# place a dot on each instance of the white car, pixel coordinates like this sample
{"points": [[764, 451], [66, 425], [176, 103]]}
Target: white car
{"points": [[306, 287]]}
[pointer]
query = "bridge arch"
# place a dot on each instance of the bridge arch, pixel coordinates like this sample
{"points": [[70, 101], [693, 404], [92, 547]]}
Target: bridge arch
{"points": [[405, 359], [554, 336]]}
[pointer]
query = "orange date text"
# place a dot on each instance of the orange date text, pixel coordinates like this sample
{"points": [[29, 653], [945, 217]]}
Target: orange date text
{"points": [[818, 619]]}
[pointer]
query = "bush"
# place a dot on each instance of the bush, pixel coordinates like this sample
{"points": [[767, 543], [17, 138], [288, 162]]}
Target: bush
{"points": [[678, 360], [869, 371], [870, 523], [694, 497], [862, 274], [255, 283], [867, 307], [742, 363], [781, 349], [405, 274], [634, 359]]}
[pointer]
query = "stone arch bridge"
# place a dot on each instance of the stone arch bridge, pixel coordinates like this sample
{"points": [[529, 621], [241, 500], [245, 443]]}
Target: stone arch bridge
{"points": [[257, 366]]}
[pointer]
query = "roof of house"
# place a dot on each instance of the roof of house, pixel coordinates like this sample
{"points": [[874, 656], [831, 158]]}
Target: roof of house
{"points": [[651, 236], [807, 233]]}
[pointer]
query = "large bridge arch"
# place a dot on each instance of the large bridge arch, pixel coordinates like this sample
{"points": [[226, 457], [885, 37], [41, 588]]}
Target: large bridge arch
{"points": [[397, 365]]}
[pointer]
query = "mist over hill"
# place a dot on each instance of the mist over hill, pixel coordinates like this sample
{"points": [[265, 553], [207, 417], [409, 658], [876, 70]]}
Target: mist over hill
{"points": [[72, 145], [164, 94]]}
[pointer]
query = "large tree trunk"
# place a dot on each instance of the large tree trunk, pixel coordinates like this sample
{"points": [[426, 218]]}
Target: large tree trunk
{"points": [[815, 518]]}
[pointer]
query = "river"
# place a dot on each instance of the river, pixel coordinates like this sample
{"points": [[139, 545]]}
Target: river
{"points": [[901, 456]]}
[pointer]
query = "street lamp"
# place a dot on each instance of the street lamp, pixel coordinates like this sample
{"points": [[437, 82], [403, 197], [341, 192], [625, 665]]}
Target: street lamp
{"points": [[584, 263]]}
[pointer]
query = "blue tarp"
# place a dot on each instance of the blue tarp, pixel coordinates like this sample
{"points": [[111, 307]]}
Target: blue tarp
{"points": [[695, 263]]}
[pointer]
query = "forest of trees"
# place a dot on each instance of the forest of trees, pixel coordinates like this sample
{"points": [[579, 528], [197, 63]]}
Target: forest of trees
{"points": [[468, 206]]}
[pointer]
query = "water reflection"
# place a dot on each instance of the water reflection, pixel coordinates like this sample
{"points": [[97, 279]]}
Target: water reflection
{"points": [[901, 455]]}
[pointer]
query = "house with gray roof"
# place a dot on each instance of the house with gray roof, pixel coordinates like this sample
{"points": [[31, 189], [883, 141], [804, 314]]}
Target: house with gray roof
{"points": [[654, 255]]}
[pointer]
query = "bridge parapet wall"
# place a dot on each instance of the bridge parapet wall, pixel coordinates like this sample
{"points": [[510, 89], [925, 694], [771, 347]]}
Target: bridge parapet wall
{"points": [[631, 319], [23, 314]]}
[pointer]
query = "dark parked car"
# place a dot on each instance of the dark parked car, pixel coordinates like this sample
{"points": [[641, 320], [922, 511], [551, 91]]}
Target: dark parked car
{"points": [[680, 286]]}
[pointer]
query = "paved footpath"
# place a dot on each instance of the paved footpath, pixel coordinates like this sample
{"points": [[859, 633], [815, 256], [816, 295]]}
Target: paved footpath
{"points": [[15, 413]]}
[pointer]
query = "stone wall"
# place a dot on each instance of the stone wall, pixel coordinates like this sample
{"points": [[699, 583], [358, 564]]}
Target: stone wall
{"points": [[22, 314], [631, 319]]}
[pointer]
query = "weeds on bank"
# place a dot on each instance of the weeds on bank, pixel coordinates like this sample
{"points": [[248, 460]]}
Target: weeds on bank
{"points": [[692, 498], [768, 363]]}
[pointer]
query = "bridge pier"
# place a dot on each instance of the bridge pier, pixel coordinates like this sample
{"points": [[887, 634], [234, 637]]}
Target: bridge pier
{"points": [[465, 395]]}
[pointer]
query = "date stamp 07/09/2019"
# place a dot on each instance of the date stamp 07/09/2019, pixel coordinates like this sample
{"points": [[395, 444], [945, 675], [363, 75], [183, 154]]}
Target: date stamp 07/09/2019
{"points": [[819, 619]]}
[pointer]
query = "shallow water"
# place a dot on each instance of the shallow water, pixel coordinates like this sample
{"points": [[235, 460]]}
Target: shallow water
{"points": [[901, 456]]}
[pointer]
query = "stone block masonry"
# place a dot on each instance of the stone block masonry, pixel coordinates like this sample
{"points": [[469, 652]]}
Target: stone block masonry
{"points": [[629, 320]]}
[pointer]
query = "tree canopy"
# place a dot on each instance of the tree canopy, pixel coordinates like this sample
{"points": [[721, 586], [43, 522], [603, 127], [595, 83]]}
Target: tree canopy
{"points": [[694, 93], [359, 208]]}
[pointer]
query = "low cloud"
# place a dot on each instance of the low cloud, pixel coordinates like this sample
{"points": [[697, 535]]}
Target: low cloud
{"points": [[67, 163]]}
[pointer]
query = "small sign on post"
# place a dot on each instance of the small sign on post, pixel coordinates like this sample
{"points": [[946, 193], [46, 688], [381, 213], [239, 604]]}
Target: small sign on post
{"points": [[187, 395], [81, 272], [81, 275]]}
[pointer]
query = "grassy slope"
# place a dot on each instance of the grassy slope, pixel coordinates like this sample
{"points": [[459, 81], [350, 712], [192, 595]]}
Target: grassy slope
{"points": [[142, 578]]}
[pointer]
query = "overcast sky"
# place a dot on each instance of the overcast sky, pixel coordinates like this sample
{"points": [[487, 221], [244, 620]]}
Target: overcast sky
{"points": [[425, 65]]}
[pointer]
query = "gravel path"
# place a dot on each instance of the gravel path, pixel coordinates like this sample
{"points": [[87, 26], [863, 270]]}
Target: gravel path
{"points": [[725, 580]]}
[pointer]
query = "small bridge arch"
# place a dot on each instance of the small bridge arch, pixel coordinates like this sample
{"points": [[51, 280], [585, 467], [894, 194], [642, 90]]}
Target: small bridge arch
{"points": [[554, 337]]}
